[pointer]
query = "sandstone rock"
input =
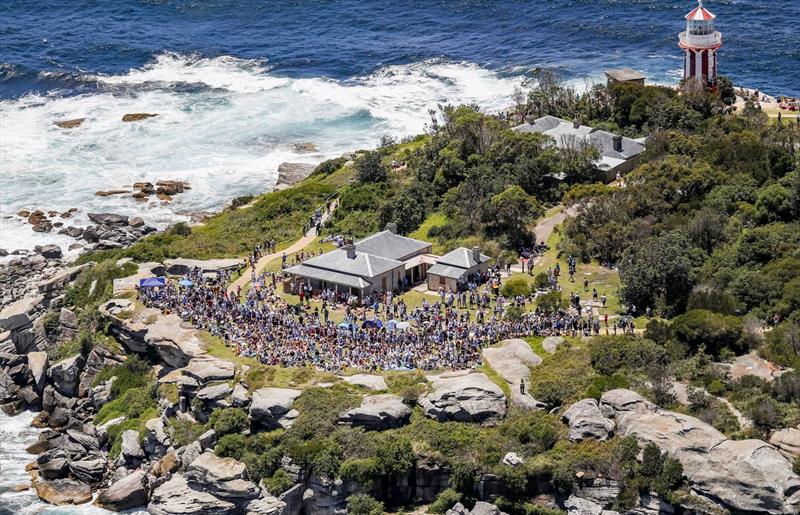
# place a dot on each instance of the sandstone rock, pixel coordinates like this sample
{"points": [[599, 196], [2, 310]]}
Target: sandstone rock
{"points": [[63, 491], [578, 506], [145, 187], [156, 440], [787, 441], [370, 381], [69, 124], [240, 396], [214, 393], [551, 343], [135, 221], [464, 397], [135, 117], [37, 362], [131, 448], [60, 280], [587, 422], [379, 412], [168, 464], [222, 477], [485, 508], [512, 459], [18, 314], [621, 400], [304, 147], [88, 470], [191, 453], [108, 219], [49, 251], [292, 173], [176, 497], [265, 506], [65, 375], [128, 492], [53, 465], [207, 439], [513, 359], [108, 193], [206, 368], [174, 344], [183, 266], [270, 405]]}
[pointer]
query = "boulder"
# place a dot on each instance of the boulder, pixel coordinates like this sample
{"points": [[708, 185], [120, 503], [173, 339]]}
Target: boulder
{"points": [[175, 345], [61, 279], [206, 368], [108, 219], [69, 124], [551, 343], [156, 440], [17, 315], [586, 421], [131, 448], [53, 465], [214, 393], [379, 412], [37, 362], [270, 405], [135, 117], [305, 146], [370, 381], [66, 374], [222, 477], [578, 506], [512, 359], [128, 492], [265, 506], [207, 439], [191, 453], [135, 221], [485, 508], [240, 397], [63, 491], [787, 441], [88, 470], [168, 464], [49, 251], [176, 497], [464, 397], [292, 173], [512, 459]]}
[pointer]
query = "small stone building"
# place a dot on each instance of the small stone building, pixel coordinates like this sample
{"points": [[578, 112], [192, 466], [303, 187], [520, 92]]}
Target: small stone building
{"points": [[456, 267]]}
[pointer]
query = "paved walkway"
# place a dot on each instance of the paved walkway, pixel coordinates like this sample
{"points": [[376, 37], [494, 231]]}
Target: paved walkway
{"points": [[543, 230], [297, 246]]}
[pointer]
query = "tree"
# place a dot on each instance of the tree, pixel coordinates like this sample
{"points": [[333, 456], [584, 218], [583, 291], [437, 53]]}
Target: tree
{"points": [[511, 211], [726, 92], [363, 504], [370, 168], [700, 327]]}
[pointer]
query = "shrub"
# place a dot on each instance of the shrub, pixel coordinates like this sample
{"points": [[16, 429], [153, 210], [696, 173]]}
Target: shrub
{"points": [[515, 287], [786, 387], [540, 281], [444, 501], [133, 373], [185, 432], [609, 354], [363, 504], [231, 446], [602, 384], [715, 331], [229, 421], [278, 483], [370, 168], [130, 404], [551, 302]]}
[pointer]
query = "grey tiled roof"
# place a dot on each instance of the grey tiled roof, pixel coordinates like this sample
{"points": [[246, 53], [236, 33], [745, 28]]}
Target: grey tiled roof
{"points": [[561, 130], [389, 245], [461, 257], [328, 275], [363, 265], [453, 272]]}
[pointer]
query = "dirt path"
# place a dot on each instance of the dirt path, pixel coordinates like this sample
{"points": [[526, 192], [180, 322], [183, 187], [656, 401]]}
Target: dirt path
{"points": [[297, 246], [543, 230]]}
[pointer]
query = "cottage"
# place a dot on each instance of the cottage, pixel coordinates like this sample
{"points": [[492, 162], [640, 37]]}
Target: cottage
{"points": [[618, 155], [456, 267], [624, 75], [382, 262]]}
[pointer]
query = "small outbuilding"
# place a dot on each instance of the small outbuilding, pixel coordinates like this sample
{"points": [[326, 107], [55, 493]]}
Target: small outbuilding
{"points": [[625, 75], [456, 268]]}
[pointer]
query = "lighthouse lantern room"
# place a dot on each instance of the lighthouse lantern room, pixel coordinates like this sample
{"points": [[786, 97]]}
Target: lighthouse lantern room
{"points": [[700, 42]]}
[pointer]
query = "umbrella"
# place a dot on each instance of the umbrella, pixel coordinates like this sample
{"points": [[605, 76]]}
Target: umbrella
{"points": [[344, 325], [391, 324], [375, 322], [402, 326], [152, 282], [186, 282]]}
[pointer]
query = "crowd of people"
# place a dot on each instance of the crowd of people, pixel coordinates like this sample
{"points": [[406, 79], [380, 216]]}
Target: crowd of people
{"points": [[378, 333]]}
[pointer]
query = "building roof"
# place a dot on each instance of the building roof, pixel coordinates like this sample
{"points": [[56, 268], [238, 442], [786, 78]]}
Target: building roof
{"points": [[462, 257], [329, 276], [452, 272], [700, 13], [387, 244], [624, 74], [563, 131], [363, 264]]}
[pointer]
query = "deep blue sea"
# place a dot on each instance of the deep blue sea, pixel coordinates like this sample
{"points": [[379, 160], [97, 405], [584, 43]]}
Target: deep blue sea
{"points": [[237, 83]]}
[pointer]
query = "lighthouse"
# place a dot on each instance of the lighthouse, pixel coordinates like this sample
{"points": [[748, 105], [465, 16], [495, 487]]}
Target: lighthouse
{"points": [[700, 42]]}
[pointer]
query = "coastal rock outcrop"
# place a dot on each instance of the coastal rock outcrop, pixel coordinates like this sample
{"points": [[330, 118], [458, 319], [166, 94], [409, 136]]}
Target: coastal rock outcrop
{"points": [[586, 421], [135, 117], [128, 492], [176, 497], [787, 441], [63, 491], [292, 173], [222, 477], [464, 397], [380, 412], [513, 359], [272, 407]]}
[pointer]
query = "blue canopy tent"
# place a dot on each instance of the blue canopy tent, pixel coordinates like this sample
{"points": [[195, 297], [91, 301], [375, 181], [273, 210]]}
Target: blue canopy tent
{"points": [[375, 322], [186, 283], [152, 282], [344, 325]]}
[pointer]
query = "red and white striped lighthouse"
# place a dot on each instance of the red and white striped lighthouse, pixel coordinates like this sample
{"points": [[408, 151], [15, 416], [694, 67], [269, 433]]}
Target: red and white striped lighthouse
{"points": [[700, 42]]}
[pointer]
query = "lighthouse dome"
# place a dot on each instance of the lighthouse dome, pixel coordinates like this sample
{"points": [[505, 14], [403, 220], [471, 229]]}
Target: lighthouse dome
{"points": [[700, 13]]}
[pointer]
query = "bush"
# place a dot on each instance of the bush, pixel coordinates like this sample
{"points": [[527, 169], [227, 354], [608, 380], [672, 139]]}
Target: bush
{"points": [[551, 302], [602, 384], [370, 168], [229, 421], [133, 373], [515, 287], [715, 331], [130, 404], [610, 354], [363, 504], [444, 501], [278, 483], [231, 446], [185, 432]]}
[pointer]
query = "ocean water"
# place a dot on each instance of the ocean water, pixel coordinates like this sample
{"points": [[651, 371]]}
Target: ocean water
{"points": [[237, 83]]}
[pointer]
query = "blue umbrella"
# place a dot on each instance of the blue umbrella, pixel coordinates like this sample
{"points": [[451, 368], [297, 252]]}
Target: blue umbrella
{"points": [[186, 282], [344, 325]]}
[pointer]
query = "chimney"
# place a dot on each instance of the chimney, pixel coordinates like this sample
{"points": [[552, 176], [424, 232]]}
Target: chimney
{"points": [[617, 143], [391, 227], [530, 119], [576, 124], [351, 251], [476, 254]]}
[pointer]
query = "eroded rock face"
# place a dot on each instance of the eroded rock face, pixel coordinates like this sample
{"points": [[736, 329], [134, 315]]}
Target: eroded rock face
{"points": [[176, 497], [63, 491], [586, 421], [223, 477], [269, 406], [787, 441], [66, 375], [513, 360], [126, 493], [378, 412], [370, 381], [745, 475], [464, 397]]}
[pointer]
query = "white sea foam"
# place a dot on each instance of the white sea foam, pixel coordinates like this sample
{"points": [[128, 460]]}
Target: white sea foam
{"points": [[227, 135]]}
